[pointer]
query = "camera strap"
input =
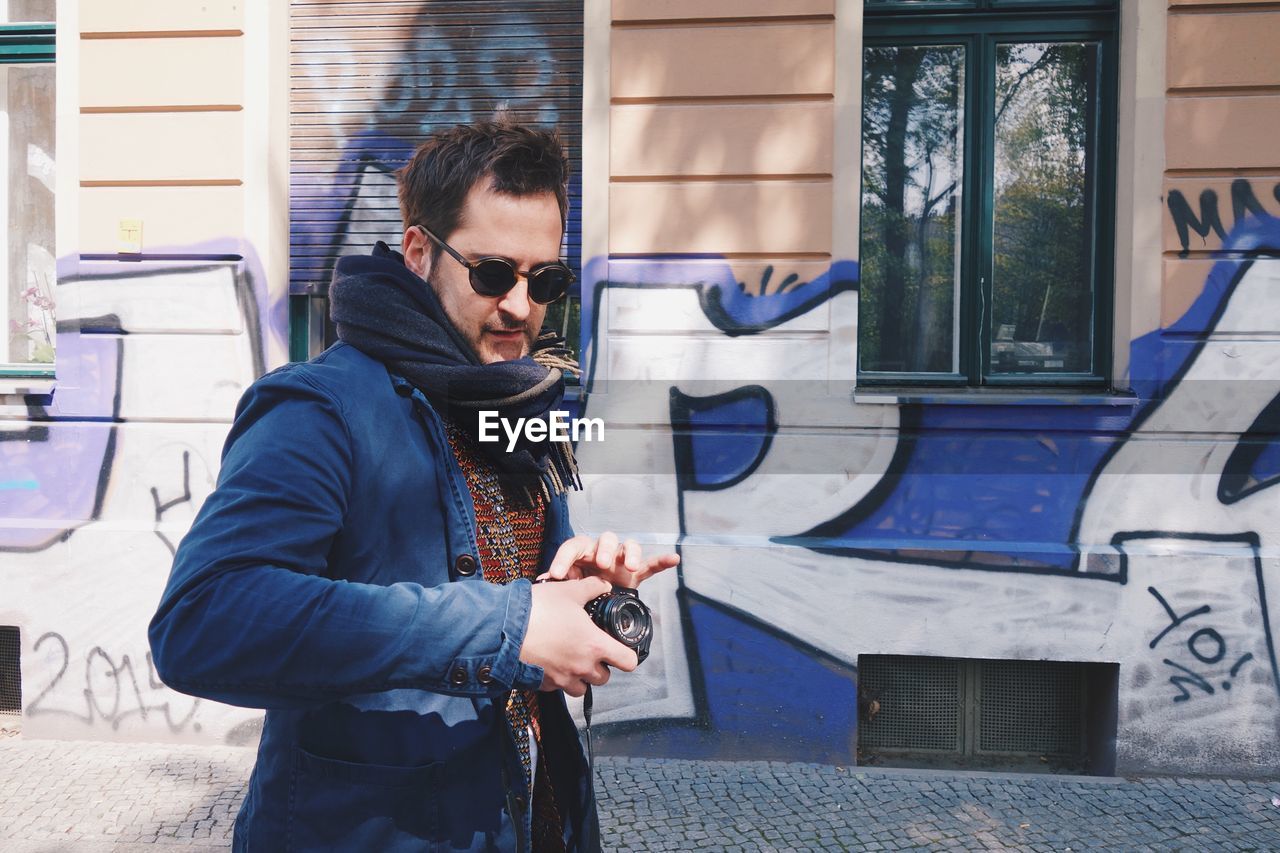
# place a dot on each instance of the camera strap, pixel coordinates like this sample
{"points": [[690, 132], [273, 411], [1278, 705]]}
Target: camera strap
{"points": [[586, 717]]}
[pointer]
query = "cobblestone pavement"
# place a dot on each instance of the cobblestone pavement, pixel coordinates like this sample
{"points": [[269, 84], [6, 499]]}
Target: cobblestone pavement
{"points": [[57, 795]]}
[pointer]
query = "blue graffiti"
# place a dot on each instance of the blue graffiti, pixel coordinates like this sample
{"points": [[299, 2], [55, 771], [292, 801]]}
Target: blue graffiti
{"points": [[1005, 483], [983, 486], [725, 301], [721, 439]]}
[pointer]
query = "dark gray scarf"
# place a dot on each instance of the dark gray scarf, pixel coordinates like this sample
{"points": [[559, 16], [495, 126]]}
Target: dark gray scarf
{"points": [[384, 310]]}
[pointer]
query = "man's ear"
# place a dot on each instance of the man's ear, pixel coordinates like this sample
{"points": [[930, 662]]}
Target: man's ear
{"points": [[417, 251]]}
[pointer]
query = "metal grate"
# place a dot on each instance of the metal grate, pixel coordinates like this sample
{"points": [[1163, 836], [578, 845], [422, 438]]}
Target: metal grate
{"points": [[1031, 708], [369, 80], [10, 671], [918, 703], [954, 712]]}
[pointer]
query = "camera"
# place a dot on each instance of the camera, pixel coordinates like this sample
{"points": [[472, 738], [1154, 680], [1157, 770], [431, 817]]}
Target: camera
{"points": [[622, 615]]}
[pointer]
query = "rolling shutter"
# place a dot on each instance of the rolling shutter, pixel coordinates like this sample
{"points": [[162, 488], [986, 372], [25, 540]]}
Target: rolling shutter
{"points": [[370, 79]]}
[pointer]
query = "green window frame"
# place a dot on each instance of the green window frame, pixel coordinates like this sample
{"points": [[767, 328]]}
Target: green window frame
{"points": [[27, 44], [985, 30]]}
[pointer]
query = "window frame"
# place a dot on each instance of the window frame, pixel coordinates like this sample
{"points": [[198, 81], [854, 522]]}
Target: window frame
{"points": [[28, 44], [914, 23]]}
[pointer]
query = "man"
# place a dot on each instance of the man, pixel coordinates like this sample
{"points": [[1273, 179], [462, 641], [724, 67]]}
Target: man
{"points": [[363, 569]]}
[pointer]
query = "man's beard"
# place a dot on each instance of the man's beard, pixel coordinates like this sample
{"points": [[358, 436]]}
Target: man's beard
{"points": [[485, 343]]}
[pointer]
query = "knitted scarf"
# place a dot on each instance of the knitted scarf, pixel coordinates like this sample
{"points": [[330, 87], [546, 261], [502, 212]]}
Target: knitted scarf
{"points": [[383, 309]]}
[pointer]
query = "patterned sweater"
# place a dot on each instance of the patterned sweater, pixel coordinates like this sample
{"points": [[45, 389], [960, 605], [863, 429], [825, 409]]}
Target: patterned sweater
{"points": [[509, 536]]}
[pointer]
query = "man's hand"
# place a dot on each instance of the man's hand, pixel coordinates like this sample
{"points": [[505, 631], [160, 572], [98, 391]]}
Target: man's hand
{"points": [[621, 565], [562, 639]]}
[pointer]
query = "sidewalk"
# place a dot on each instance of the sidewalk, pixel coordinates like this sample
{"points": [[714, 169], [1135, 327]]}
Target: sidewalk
{"points": [[57, 795]]}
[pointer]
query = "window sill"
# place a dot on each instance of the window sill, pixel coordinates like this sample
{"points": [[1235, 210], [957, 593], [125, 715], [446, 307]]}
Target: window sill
{"points": [[993, 397], [13, 386]]}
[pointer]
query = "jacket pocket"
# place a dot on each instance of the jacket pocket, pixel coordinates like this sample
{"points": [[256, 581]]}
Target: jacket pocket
{"points": [[343, 806]]}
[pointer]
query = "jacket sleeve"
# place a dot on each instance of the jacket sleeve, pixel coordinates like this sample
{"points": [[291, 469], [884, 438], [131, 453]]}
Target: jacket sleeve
{"points": [[557, 531], [250, 618]]}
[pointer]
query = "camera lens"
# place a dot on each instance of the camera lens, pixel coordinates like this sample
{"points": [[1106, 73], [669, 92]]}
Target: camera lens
{"points": [[624, 617], [629, 622]]}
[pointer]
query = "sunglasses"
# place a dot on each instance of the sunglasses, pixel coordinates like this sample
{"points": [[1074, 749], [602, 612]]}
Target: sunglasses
{"points": [[495, 276]]}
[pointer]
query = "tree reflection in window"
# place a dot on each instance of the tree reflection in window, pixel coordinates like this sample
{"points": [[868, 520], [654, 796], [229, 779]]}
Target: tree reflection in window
{"points": [[988, 161], [912, 116], [1042, 288]]}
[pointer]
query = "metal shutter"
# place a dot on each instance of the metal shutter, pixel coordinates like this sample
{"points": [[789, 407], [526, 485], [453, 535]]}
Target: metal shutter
{"points": [[369, 79]]}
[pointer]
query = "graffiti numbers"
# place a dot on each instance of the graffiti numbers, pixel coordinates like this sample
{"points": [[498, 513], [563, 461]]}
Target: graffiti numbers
{"points": [[1205, 645], [111, 691], [66, 654]]}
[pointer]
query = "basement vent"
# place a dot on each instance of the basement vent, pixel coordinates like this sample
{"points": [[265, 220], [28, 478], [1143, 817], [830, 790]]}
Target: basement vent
{"points": [[1030, 707], [918, 705], [10, 671], [986, 714]]}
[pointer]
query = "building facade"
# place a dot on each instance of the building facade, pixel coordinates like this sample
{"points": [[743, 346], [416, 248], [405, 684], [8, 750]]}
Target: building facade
{"points": [[936, 336]]}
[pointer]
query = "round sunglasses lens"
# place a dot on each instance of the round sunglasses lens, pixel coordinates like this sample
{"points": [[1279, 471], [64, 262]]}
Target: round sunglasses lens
{"points": [[492, 278], [549, 284]]}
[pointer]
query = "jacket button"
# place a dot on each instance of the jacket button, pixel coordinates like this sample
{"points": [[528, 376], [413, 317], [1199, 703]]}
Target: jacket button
{"points": [[458, 677], [520, 803], [465, 565], [404, 390], [485, 675]]}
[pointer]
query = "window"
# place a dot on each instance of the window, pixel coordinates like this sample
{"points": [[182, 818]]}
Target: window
{"points": [[988, 138], [27, 253]]}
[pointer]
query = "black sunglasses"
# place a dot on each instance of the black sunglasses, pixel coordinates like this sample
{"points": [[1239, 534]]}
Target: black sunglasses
{"points": [[495, 276]]}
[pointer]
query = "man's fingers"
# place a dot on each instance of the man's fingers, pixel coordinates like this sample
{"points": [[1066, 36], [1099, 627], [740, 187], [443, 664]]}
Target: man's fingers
{"points": [[619, 656], [606, 550], [563, 565], [599, 676], [662, 561], [653, 565], [591, 587], [630, 556]]}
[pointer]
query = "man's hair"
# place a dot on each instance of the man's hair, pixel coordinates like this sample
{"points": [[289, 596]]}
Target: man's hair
{"points": [[521, 161]]}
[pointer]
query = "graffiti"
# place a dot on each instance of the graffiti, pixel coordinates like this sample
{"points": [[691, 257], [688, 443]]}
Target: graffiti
{"points": [[70, 493], [185, 497], [706, 450], [111, 691], [1197, 643], [813, 527], [449, 67], [1027, 518], [1254, 464], [107, 358], [93, 457], [1244, 203]]}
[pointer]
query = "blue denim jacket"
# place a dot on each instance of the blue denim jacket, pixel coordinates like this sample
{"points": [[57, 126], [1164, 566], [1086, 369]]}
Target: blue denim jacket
{"points": [[331, 579]]}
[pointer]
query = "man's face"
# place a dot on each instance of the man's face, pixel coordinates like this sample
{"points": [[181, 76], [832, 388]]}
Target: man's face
{"points": [[526, 231]]}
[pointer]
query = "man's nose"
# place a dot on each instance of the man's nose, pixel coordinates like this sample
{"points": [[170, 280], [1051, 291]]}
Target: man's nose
{"points": [[515, 302]]}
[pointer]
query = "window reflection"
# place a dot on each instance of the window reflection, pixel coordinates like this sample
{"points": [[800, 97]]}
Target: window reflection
{"points": [[27, 11], [27, 220], [913, 112], [1042, 284]]}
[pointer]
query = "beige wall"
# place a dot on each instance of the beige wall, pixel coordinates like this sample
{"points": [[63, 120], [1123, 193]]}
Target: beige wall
{"points": [[161, 122], [1222, 127], [721, 117]]}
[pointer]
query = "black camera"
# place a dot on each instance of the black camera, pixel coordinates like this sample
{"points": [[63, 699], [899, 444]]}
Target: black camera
{"points": [[622, 615]]}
